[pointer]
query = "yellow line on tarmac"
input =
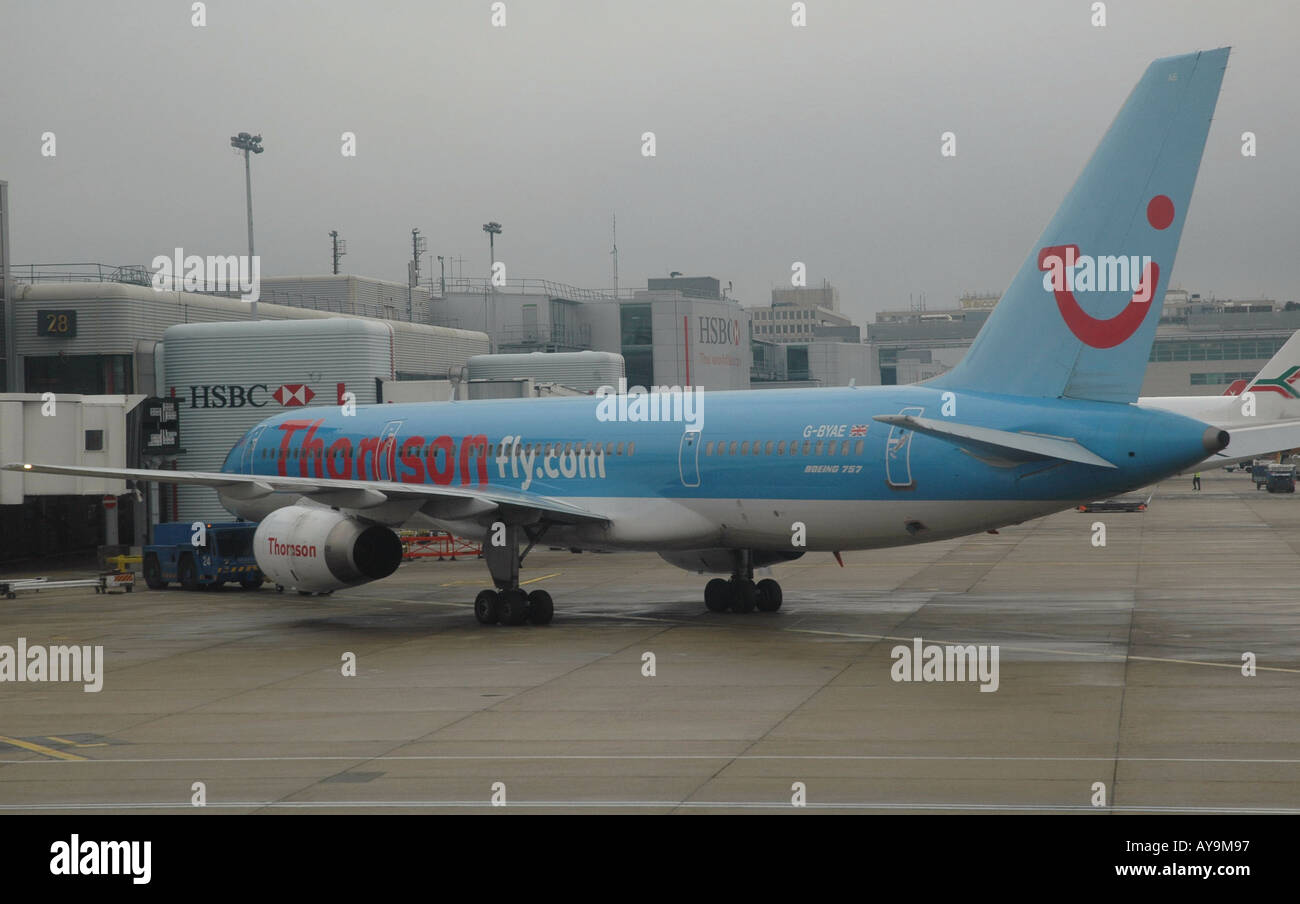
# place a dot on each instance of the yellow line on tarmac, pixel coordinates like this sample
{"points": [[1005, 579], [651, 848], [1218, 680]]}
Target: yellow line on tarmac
{"points": [[74, 743], [542, 578], [37, 748]]}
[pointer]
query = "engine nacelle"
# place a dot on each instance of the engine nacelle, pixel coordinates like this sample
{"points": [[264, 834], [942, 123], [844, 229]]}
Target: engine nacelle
{"points": [[721, 561], [319, 549]]}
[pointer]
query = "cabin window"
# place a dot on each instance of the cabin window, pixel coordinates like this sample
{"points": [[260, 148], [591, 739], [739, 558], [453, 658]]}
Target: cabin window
{"points": [[857, 447], [767, 450], [844, 447], [807, 447], [733, 447], [819, 448], [780, 448], [832, 447], [620, 449], [631, 447], [609, 448], [744, 448], [708, 448]]}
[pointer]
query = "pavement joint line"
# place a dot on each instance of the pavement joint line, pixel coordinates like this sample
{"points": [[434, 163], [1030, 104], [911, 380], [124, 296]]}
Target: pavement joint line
{"points": [[470, 715], [1115, 657], [237, 692], [866, 757], [649, 804], [813, 692]]}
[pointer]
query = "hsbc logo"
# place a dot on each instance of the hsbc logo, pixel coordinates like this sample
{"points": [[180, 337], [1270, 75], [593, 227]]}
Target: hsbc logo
{"points": [[294, 395], [719, 331], [256, 395]]}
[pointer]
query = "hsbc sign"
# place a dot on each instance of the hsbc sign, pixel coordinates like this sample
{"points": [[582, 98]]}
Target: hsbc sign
{"points": [[294, 395], [256, 395], [719, 331]]}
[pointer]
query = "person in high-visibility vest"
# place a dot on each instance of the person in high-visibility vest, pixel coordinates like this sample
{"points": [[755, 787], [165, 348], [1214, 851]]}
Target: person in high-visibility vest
{"points": [[1196, 481]]}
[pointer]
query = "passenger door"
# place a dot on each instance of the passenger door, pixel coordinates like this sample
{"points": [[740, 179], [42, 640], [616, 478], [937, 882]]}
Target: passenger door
{"points": [[898, 454], [688, 458], [250, 450]]}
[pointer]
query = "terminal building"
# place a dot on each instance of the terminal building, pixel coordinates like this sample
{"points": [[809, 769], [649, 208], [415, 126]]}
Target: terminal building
{"points": [[96, 338], [802, 339], [1202, 345], [678, 331]]}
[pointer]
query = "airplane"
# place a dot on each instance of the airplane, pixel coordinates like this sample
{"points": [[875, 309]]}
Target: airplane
{"points": [[1262, 415], [1037, 417]]}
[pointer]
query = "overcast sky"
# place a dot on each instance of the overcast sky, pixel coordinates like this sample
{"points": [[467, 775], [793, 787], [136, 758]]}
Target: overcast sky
{"points": [[774, 143]]}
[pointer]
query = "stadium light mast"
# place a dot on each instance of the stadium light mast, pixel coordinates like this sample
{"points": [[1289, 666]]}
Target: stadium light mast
{"points": [[248, 144], [493, 230]]}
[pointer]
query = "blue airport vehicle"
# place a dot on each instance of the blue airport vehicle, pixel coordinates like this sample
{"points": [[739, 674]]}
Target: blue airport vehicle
{"points": [[1281, 479], [225, 555], [1259, 471]]}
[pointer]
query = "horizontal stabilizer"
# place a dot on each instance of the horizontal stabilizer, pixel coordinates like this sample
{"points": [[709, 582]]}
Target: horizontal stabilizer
{"points": [[1003, 443], [1255, 442]]}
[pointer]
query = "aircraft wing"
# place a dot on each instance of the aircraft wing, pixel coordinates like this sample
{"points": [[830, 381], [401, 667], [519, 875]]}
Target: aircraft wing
{"points": [[1002, 443], [351, 494]]}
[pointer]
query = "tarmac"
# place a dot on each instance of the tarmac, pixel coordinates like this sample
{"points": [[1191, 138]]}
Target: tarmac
{"points": [[1120, 683]]}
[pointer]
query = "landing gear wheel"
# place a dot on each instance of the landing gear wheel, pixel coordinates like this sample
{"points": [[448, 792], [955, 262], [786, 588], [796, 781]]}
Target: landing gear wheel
{"points": [[486, 607], [743, 595], [541, 608], [153, 573], [717, 595], [513, 607], [187, 573], [252, 583], [769, 595]]}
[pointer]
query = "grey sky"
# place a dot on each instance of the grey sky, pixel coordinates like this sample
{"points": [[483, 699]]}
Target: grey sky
{"points": [[775, 143]]}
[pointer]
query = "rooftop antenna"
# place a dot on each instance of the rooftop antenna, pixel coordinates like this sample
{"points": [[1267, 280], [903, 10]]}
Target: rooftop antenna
{"points": [[340, 249]]}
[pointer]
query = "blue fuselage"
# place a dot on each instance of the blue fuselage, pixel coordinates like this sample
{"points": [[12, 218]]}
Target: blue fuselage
{"points": [[749, 465]]}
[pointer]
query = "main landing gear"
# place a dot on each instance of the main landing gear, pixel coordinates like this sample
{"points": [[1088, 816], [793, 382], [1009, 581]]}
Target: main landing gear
{"points": [[508, 604], [740, 593]]}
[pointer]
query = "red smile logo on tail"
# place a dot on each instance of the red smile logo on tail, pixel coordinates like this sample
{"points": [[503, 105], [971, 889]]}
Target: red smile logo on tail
{"points": [[1116, 330]]}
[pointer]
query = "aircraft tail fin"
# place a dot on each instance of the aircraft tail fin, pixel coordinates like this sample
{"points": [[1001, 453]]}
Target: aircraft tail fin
{"points": [[1077, 319], [1282, 372]]}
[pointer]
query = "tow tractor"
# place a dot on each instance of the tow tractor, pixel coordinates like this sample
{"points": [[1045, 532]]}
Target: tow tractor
{"points": [[217, 554]]}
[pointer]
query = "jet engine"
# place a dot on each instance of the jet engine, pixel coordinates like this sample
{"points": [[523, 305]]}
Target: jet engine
{"points": [[320, 549]]}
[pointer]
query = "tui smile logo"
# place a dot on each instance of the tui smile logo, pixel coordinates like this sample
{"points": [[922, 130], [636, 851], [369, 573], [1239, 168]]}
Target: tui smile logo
{"points": [[1067, 272], [1283, 385]]}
